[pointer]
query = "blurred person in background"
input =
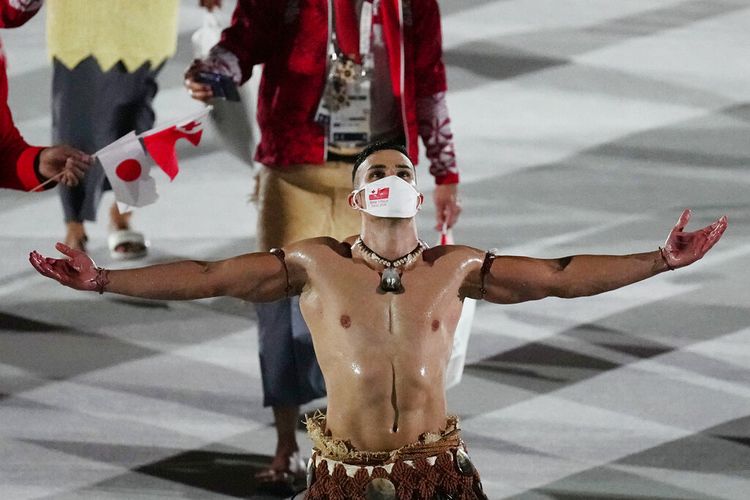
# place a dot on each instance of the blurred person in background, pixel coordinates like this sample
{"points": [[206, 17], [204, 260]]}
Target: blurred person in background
{"points": [[106, 57]]}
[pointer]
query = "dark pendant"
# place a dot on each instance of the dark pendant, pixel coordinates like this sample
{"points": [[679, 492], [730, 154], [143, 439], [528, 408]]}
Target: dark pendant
{"points": [[380, 488], [390, 280], [464, 462]]}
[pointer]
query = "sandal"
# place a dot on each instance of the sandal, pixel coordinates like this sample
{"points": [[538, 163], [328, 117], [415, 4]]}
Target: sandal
{"points": [[287, 479], [274, 476], [126, 244]]}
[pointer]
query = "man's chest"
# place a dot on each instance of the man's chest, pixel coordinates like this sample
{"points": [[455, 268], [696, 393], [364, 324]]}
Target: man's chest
{"points": [[349, 295]]}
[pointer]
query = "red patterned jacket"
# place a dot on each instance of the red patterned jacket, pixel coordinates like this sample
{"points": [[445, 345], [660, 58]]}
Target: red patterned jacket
{"points": [[16, 156], [290, 38]]}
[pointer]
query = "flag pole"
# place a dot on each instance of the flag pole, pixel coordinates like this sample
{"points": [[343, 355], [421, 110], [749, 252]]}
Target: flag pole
{"points": [[51, 179], [54, 177]]}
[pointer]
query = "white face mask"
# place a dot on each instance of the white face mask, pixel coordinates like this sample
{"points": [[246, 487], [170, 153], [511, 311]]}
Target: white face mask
{"points": [[389, 197]]}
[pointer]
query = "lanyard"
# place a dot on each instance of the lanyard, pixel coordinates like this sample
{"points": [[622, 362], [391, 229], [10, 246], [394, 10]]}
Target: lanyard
{"points": [[365, 28], [345, 35]]}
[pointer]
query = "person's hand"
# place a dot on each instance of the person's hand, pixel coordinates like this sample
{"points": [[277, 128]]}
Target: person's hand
{"points": [[210, 4], [77, 271], [199, 91], [447, 206], [683, 248], [65, 160]]}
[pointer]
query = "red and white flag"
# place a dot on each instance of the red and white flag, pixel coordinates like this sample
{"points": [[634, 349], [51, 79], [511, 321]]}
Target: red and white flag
{"points": [[129, 172], [160, 141], [380, 194]]}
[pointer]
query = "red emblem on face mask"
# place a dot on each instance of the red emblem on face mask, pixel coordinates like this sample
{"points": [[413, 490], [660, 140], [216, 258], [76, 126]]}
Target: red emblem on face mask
{"points": [[379, 194]]}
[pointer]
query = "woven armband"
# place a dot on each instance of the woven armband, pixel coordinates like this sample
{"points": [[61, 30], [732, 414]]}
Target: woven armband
{"points": [[489, 257], [101, 280], [279, 253], [664, 258]]}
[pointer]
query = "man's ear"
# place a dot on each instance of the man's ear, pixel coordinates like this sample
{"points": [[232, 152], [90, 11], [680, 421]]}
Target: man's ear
{"points": [[421, 201], [350, 200]]}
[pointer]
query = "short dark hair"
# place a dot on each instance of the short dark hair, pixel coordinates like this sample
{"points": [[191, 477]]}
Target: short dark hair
{"points": [[374, 147]]}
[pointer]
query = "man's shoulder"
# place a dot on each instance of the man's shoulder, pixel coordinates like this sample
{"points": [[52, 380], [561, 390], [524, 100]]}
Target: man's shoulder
{"points": [[321, 244], [451, 252]]}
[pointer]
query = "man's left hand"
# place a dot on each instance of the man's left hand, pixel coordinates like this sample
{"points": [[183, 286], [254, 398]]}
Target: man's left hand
{"points": [[65, 160], [447, 205], [683, 248]]}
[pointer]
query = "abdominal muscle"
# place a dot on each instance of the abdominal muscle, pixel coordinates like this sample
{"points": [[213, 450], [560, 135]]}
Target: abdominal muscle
{"points": [[385, 406], [385, 387]]}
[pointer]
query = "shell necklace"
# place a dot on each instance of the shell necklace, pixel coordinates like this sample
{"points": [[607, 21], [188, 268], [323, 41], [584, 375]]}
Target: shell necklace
{"points": [[390, 278]]}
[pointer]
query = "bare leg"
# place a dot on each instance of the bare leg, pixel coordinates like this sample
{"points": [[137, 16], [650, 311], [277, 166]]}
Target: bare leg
{"points": [[75, 236], [117, 220], [286, 425], [286, 418]]}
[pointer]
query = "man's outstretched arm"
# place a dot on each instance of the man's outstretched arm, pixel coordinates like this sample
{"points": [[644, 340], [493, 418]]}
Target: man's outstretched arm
{"points": [[256, 277], [518, 279]]}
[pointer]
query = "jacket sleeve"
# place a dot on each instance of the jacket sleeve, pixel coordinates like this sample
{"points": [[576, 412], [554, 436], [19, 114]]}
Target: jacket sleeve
{"points": [[16, 12], [432, 111], [18, 160], [250, 39]]}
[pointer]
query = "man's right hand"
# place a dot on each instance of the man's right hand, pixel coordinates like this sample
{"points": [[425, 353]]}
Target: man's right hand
{"points": [[199, 91], [77, 271]]}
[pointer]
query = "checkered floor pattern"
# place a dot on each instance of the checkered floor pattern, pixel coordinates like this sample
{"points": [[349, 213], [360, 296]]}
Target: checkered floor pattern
{"points": [[581, 127]]}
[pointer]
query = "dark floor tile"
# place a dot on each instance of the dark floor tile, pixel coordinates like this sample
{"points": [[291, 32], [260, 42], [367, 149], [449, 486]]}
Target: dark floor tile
{"points": [[698, 453], [603, 483], [539, 367], [59, 352]]}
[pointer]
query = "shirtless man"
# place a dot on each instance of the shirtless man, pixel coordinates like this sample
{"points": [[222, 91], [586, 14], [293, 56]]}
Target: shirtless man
{"points": [[382, 309]]}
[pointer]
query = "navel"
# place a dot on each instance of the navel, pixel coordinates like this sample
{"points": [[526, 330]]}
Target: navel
{"points": [[346, 321], [435, 325]]}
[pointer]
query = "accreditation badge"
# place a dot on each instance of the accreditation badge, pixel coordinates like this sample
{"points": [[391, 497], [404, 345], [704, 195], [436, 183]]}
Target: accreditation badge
{"points": [[350, 124], [345, 106]]}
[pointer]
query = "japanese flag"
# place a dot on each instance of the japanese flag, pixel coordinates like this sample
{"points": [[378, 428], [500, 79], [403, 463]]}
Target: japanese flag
{"points": [[160, 141], [129, 172]]}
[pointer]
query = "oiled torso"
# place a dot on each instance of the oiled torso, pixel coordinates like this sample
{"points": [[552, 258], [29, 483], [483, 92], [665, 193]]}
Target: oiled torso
{"points": [[383, 355]]}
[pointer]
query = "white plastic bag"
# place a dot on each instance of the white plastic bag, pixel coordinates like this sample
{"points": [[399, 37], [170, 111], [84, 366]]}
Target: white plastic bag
{"points": [[206, 36], [232, 121], [455, 369]]}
